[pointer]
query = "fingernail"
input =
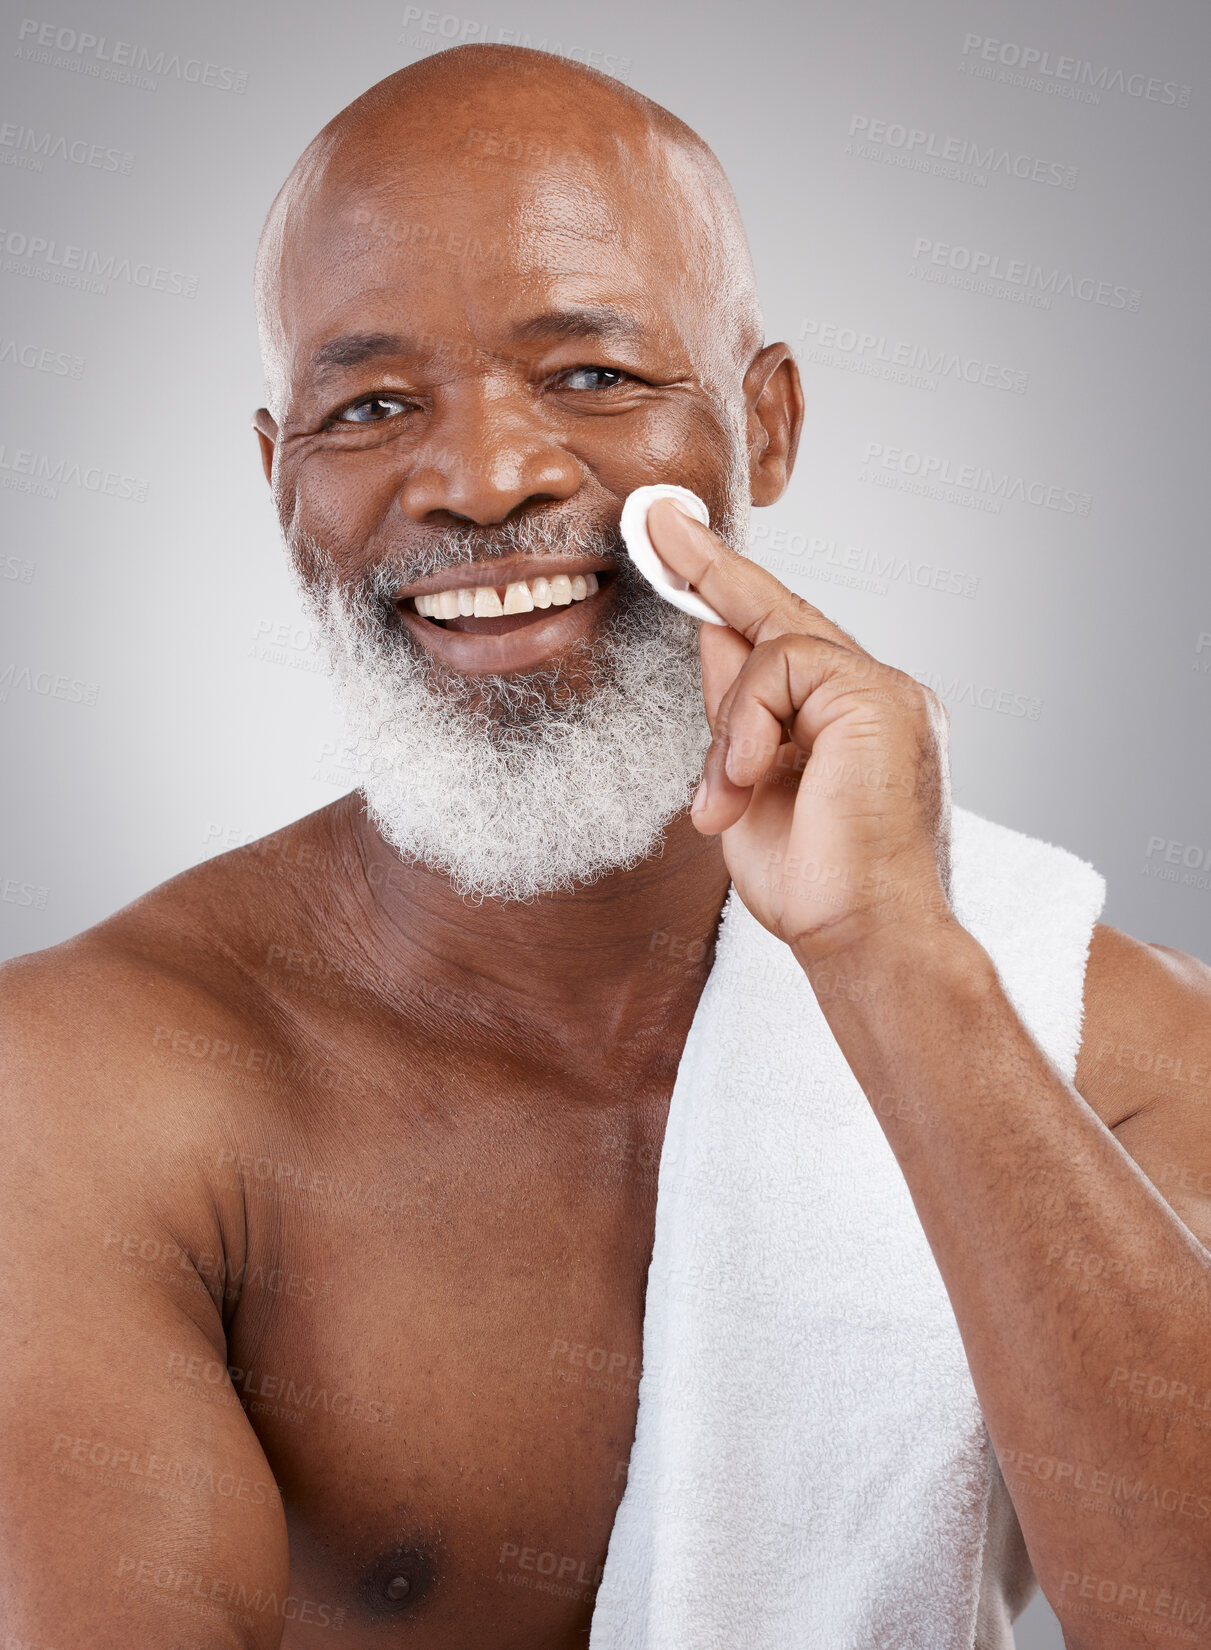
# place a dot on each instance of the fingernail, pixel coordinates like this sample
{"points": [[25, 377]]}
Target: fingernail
{"points": [[699, 802]]}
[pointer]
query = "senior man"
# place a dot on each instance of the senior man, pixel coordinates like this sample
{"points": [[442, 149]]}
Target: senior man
{"points": [[330, 1194]]}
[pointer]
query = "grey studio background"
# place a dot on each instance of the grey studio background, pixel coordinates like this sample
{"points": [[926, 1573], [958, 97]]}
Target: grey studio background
{"points": [[983, 228]]}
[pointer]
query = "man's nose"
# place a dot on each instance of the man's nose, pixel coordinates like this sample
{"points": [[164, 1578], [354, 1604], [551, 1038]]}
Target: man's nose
{"points": [[486, 453]]}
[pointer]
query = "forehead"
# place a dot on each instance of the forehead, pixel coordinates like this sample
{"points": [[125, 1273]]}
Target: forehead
{"points": [[490, 229]]}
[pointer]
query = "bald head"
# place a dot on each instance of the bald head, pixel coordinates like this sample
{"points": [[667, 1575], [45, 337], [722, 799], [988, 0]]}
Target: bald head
{"points": [[500, 154]]}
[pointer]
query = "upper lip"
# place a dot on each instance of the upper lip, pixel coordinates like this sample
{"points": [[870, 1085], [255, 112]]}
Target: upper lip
{"points": [[495, 573]]}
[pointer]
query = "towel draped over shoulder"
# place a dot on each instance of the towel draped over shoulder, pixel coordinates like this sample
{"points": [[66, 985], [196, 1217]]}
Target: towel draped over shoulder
{"points": [[811, 1469]]}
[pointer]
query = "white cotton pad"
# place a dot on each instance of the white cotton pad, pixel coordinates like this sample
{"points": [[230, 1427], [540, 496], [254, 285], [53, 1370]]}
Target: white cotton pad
{"points": [[663, 580]]}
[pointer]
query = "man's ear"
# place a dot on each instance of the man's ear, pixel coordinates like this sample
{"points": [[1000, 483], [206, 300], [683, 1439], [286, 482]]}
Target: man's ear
{"points": [[266, 434], [775, 417]]}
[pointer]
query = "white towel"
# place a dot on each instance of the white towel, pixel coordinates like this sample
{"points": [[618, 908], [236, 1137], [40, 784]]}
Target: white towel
{"points": [[811, 1467]]}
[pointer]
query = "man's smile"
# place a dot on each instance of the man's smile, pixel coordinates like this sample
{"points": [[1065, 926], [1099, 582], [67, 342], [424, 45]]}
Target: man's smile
{"points": [[510, 616]]}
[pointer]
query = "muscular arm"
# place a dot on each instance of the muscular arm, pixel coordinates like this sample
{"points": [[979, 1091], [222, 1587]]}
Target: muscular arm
{"points": [[138, 1508], [1071, 1230]]}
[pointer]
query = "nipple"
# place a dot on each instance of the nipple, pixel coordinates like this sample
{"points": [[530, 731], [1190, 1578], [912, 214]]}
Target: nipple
{"points": [[397, 1581]]}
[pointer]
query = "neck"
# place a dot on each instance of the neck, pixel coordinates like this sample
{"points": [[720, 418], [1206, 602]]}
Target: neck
{"points": [[599, 964]]}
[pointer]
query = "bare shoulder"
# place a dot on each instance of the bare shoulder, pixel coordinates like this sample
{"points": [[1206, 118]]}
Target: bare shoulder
{"points": [[1147, 1030], [1145, 1063], [125, 1230], [139, 1052], [84, 1006], [199, 943]]}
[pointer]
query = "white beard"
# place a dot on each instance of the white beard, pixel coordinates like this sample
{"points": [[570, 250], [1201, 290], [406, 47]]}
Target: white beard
{"points": [[516, 786]]}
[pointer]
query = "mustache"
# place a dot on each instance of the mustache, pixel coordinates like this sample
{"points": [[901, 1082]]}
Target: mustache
{"points": [[549, 536]]}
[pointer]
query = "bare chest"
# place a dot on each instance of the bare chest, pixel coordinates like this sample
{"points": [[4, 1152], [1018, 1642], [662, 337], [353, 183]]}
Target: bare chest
{"points": [[439, 1345]]}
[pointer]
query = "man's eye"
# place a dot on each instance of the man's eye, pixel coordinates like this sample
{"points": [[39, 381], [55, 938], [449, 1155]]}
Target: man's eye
{"points": [[369, 410], [593, 378]]}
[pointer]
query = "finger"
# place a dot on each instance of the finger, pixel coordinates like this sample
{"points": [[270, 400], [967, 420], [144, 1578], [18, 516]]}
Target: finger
{"points": [[723, 652], [769, 700], [760, 708], [722, 802], [754, 730], [794, 687], [751, 599], [746, 735], [718, 803]]}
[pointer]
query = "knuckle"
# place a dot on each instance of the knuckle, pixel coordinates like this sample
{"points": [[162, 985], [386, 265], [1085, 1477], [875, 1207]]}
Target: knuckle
{"points": [[913, 694], [938, 713], [868, 676], [799, 609], [788, 614]]}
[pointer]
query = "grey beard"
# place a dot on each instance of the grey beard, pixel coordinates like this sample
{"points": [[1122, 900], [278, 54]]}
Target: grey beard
{"points": [[514, 786]]}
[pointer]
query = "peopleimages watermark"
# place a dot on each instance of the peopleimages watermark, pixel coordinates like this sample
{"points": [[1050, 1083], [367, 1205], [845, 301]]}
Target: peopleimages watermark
{"points": [[981, 696], [25, 471], [1186, 863], [876, 355], [434, 237], [939, 477], [32, 895], [1037, 283], [1143, 1607], [283, 643], [780, 549], [964, 160], [126, 61], [16, 678], [84, 267], [1073, 77], [17, 568], [41, 358], [25, 146]]}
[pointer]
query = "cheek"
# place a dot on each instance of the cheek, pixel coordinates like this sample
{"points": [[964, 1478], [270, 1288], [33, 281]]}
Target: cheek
{"points": [[686, 442], [341, 500]]}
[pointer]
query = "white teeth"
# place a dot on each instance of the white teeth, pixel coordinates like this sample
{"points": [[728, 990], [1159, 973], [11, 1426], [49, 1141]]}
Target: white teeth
{"points": [[518, 599], [521, 596]]}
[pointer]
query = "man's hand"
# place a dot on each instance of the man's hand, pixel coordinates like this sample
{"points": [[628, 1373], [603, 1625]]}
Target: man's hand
{"points": [[1029, 1202], [827, 773]]}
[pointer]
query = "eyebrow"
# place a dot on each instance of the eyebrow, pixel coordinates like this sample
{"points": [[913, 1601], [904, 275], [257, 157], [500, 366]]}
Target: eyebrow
{"points": [[354, 349], [351, 349], [589, 321]]}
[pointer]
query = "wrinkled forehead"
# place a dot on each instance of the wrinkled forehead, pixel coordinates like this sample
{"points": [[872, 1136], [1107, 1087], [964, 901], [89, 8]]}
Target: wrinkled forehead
{"points": [[466, 234]]}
